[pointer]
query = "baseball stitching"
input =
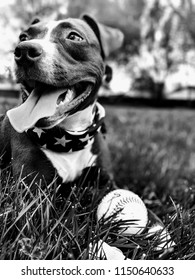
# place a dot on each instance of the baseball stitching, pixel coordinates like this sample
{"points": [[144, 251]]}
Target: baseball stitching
{"points": [[123, 201]]}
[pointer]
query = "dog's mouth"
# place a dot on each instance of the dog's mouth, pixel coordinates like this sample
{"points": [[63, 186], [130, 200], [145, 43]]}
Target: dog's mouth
{"points": [[45, 105]]}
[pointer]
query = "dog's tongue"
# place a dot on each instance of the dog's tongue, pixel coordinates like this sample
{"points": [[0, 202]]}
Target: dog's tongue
{"points": [[37, 106]]}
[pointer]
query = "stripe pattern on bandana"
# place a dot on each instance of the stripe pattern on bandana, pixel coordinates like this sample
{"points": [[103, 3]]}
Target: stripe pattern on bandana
{"points": [[60, 140]]}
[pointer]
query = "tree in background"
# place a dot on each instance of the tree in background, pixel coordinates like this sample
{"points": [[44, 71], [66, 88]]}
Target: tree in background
{"points": [[167, 47]]}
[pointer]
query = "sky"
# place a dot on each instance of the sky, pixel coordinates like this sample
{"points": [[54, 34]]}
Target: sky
{"points": [[4, 3]]}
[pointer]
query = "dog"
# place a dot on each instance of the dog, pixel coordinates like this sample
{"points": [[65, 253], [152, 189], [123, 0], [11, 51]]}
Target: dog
{"points": [[58, 130]]}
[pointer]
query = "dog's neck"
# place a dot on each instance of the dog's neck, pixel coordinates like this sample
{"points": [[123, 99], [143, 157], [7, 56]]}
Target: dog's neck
{"points": [[75, 134], [80, 121]]}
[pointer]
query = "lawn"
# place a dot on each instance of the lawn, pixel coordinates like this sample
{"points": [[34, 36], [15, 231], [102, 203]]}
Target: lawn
{"points": [[153, 154]]}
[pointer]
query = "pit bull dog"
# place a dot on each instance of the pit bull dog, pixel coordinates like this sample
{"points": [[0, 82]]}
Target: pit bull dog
{"points": [[58, 128]]}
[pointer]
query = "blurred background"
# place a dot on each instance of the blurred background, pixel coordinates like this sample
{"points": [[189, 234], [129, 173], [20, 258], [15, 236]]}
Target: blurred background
{"points": [[157, 59]]}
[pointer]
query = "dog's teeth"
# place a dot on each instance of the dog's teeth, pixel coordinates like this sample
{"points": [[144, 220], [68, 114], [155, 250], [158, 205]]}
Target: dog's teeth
{"points": [[69, 96], [60, 104], [27, 93]]}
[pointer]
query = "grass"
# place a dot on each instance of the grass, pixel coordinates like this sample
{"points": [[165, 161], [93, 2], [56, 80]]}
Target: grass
{"points": [[153, 154]]}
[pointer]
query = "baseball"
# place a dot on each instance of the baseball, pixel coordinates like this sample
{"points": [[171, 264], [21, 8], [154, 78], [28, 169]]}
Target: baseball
{"points": [[127, 206]]}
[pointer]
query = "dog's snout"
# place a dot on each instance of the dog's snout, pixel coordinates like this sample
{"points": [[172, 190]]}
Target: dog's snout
{"points": [[27, 52]]}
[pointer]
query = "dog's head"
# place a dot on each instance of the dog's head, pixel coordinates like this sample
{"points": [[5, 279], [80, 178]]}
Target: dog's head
{"points": [[60, 65]]}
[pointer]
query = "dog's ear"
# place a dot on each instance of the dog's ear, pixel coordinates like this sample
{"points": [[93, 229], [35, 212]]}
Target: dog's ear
{"points": [[108, 74], [110, 39]]}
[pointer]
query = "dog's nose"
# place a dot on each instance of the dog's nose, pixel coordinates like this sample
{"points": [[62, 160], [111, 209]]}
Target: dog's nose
{"points": [[27, 52]]}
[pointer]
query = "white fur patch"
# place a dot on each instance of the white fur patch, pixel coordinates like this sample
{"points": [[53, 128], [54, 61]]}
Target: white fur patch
{"points": [[51, 25], [48, 47], [71, 165], [49, 57]]}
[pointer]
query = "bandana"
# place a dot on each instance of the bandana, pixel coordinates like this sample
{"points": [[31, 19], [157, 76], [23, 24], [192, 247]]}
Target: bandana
{"points": [[60, 140]]}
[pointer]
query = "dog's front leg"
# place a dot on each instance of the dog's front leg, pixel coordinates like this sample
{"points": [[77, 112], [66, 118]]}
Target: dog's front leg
{"points": [[5, 150]]}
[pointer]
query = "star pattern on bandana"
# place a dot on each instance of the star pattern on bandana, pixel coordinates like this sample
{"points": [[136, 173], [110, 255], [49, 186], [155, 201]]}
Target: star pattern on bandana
{"points": [[59, 140], [38, 131], [86, 138]]}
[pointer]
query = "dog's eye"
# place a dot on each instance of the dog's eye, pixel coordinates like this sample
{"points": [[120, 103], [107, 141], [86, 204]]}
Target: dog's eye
{"points": [[73, 36], [23, 37]]}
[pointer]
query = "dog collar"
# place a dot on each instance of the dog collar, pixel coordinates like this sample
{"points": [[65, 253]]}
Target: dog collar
{"points": [[60, 140]]}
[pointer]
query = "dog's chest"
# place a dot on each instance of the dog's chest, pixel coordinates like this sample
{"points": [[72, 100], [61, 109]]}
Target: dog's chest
{"points": [[70, 165]]}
